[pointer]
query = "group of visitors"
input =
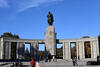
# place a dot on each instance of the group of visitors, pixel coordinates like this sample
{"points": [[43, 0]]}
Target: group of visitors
{"points": [[33, 63], [74, 60], [48, 58]]}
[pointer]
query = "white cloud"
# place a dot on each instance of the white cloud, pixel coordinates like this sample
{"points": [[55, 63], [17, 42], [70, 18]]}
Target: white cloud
{"points": [[21, 5], [34, 3], [4, 3]]}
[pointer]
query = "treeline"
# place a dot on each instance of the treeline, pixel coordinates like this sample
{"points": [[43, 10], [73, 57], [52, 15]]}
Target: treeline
{"points": [[9, 35]]}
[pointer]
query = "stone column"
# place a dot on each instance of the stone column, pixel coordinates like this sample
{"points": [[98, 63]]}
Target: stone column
{"points": [[95, 49], [66, 51], [6, 50], [69, 49], [77, 49], [9, 50], [81, 49], [20, 50], [2, 49], [23, 50], [91, 44], [34, 50], [17, 50], [22, 46]]}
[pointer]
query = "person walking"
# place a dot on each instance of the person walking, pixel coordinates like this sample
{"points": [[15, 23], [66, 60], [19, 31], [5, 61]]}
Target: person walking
{"points": [[37, 64], [76, 61], [32, 63], [73, 60]]}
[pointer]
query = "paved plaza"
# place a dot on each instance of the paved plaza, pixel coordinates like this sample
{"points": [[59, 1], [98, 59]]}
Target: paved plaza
{"points": [[58, 63]]}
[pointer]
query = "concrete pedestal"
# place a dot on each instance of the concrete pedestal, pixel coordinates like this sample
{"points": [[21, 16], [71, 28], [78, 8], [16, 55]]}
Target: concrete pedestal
{"points": [[50, 41]]}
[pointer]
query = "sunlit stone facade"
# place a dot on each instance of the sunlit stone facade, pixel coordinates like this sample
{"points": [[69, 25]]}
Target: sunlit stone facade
{"points": [[50, 44]]}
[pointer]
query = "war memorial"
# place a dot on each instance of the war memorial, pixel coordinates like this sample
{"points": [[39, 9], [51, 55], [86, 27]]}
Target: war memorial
{"points": [[50, 41]]}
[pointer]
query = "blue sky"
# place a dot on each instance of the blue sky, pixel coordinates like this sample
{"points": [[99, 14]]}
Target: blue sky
{"points": [[27, 46], [42, 46], [72, 18]]}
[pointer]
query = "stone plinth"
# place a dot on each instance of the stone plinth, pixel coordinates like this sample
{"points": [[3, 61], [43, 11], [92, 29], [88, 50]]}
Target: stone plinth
{"points": [[50, 40]]}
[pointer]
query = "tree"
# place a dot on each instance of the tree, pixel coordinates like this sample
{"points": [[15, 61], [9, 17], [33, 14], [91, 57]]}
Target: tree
{"points": [[41, 53], [74, 51], [15, 36], [60, 51], [87, 50], [9, 35], [85, 37], [27, 54]]}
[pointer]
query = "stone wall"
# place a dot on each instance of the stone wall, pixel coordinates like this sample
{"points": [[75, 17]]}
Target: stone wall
{"points": [[94, 45], [5, 47]]}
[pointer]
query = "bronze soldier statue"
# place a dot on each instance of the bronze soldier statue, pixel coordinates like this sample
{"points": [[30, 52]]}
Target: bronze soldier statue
{"points": [[50, 18]]}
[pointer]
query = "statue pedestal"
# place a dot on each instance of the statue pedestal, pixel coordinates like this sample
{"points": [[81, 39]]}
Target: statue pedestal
{"points": [[50, 41]]}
